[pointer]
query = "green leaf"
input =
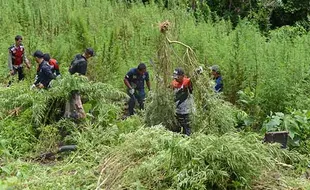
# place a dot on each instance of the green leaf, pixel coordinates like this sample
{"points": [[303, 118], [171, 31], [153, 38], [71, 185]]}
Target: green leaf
{"points": [[249, 121], [87, 107], [273, 124], [291, 134]]}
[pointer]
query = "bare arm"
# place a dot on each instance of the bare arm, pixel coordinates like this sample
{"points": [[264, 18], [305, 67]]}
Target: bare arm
{"points": [[127, 83], [26, 60], [148, 85], [147, 79]]}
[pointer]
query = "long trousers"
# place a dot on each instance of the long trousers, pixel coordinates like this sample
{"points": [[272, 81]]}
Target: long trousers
{"points": [[139, 95], [183, 123]]}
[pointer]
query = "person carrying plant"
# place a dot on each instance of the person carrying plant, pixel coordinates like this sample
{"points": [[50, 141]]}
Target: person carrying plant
{"points": [[74, 107], [134, 81], [183, 90], [215, 71], [79, 63], [53, 63], [44, 73], [16, 58]]}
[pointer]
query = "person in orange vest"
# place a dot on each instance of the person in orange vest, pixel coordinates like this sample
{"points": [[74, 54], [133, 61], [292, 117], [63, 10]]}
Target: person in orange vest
{"points": [[53, 63], [16, 58], [183, 90]]}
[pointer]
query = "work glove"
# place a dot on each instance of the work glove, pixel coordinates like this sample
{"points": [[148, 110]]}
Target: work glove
{"points": [[32, 86], [131, 91], [199, 70]]}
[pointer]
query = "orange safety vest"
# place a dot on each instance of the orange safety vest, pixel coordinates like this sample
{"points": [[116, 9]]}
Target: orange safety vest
{"points": [[186, 83]]}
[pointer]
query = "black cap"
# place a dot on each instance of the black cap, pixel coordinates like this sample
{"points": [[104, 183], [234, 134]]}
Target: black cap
{"points": [[38, 54], [46, 57], [178, 71], [90, 51], [141, 66], [18, 37]]}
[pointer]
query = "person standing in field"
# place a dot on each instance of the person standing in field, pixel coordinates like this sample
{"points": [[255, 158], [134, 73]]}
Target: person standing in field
{"points": [[134, 81], [44, 72], [79, 63], [53, 63], [183, 90], [16, 58], [74, 107], [215, 71]]}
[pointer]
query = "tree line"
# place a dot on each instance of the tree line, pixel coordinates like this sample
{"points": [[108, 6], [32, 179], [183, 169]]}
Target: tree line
{"points": [[268, 14]]}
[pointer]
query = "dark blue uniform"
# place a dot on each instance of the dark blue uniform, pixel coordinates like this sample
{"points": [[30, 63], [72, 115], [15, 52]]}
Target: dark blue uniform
{"points": [[137, 81], [78, 65], [44, 74], [218, 84]]}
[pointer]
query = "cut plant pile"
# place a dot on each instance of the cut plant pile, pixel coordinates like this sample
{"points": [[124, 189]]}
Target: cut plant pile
{"points": [[266, 88]]}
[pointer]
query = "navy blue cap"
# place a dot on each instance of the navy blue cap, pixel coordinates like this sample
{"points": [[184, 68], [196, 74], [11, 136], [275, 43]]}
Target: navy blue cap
{"points": [[90, 51], [38, 54]]}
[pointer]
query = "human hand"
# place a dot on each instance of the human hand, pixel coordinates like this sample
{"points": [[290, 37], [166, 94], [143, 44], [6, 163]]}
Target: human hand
{"points": [[199, 70], [40, 85], [131, 91], [12, 72]]}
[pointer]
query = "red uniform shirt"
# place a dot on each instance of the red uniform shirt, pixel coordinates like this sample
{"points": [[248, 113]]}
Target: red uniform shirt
{"points": [[17, 54]]}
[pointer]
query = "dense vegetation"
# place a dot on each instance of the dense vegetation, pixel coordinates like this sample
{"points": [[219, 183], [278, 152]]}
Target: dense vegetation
{"points": [[266, 76]]}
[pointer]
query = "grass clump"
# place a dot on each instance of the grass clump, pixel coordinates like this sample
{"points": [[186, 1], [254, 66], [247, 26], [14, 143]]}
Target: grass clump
{"points": [[154, 158]]}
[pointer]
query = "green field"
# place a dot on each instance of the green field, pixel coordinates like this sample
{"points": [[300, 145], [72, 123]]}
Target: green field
{"points": [[266, 88]]}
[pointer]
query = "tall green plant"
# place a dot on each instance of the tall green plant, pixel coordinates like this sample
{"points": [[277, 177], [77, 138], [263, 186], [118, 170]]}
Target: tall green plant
{"points": [[161, 107]]}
